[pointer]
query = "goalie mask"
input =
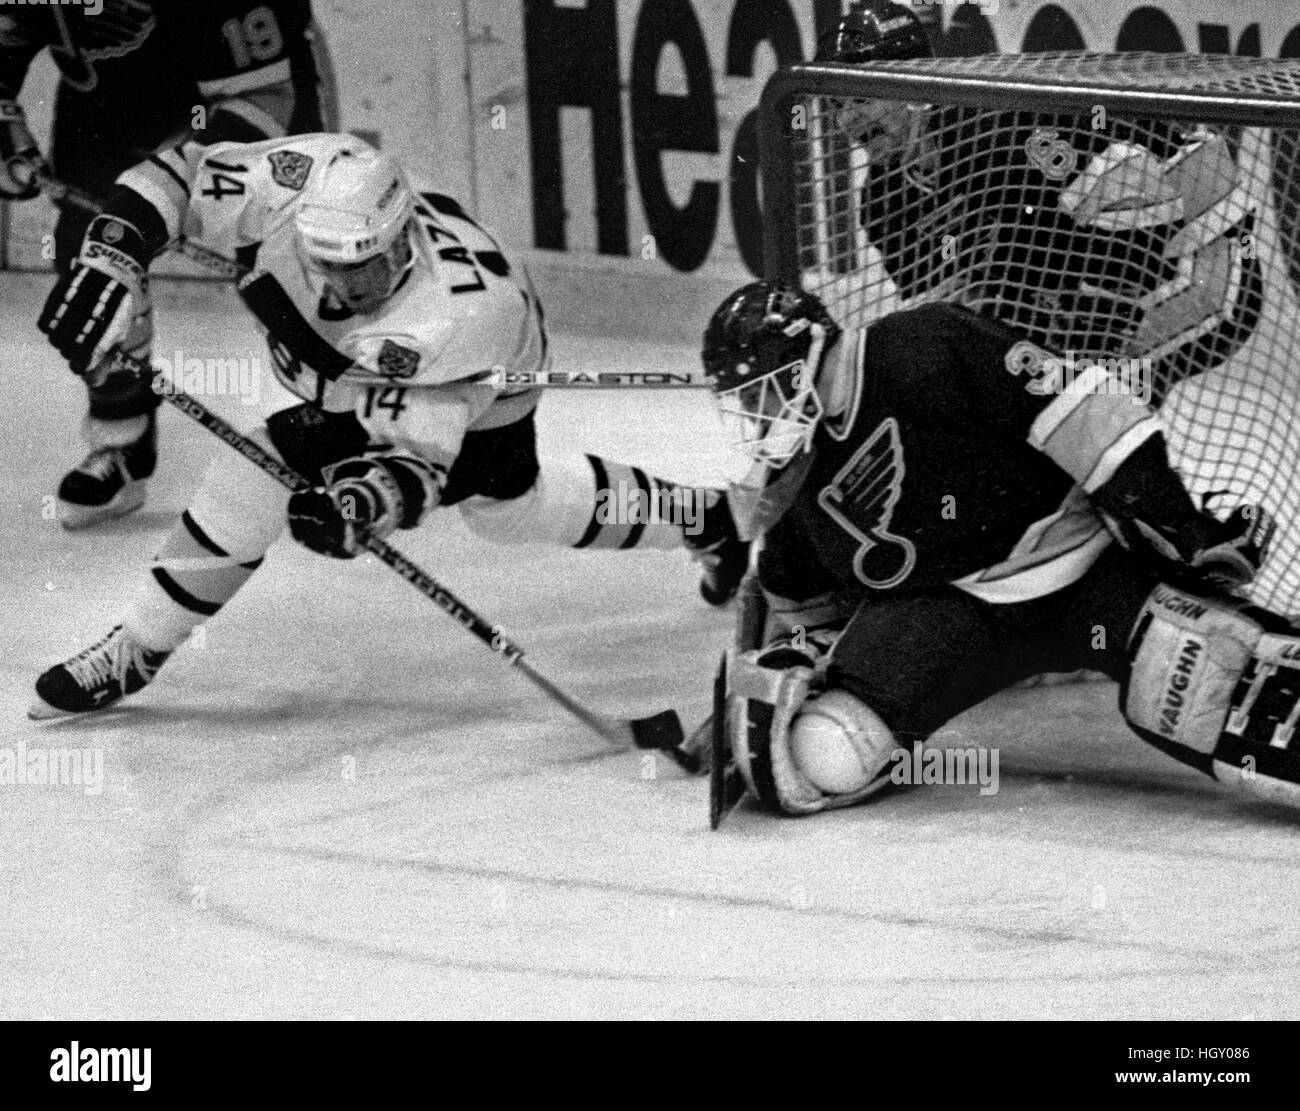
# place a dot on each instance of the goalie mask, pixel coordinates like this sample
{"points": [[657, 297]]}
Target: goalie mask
{"points": [[763, 350], [354, 227]]}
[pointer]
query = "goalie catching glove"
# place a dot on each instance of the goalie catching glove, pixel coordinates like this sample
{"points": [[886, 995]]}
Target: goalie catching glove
{"points": [[92, 308], [375, 494], [20, 157]]}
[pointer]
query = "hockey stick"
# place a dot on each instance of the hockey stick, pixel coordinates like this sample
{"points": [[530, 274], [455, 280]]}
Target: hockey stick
{"points": [[726, 783], [61, 193]]}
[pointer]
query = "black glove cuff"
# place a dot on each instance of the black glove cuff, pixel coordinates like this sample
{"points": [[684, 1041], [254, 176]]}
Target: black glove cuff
{"points": [[119, 235]]}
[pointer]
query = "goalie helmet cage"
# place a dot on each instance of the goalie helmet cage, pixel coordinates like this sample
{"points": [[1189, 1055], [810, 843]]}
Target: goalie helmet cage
{"points": [[1141, 211]]}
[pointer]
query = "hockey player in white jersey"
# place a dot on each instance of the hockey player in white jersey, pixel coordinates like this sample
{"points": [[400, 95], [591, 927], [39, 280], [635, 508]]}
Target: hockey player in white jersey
{"points": [[393, 320]]}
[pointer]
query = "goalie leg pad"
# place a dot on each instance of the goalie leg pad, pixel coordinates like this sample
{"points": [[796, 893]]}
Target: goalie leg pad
{"points": [[800, 755], [1210, 686], [1187, 654]]}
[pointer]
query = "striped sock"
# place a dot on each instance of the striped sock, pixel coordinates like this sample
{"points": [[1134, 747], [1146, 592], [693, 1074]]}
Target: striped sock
{"points": [[191, 578], [634, 509]]}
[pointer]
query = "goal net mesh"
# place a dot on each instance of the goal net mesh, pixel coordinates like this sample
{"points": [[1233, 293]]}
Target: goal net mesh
{"points": [[1151, 243]]}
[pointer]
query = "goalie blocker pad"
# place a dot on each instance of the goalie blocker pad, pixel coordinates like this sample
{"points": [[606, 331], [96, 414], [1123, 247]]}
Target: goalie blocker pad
{"points": [[1216, 684]]}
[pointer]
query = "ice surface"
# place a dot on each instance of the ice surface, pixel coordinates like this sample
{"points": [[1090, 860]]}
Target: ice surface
{"points": [[343, 806]]}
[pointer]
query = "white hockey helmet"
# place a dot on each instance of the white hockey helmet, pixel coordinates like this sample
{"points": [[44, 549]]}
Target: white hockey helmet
{"points": [[354, 226]]}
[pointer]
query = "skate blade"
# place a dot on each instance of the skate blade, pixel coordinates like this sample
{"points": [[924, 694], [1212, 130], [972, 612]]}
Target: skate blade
{"points": [[40, 710], [127, 500]]}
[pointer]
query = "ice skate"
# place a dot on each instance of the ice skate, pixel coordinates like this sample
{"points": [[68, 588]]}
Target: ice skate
{"points": [[110, 482], [96, 678]]}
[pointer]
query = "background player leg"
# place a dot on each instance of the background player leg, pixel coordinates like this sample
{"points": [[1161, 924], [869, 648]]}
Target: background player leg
{"points": [[120, 428]]}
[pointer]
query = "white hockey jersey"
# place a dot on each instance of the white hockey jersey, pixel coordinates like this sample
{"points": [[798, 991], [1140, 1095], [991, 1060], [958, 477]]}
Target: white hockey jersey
{"points": [[419, 372]]}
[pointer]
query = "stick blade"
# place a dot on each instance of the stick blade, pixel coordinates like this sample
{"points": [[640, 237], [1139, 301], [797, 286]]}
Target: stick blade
{"points": [[663, 732], [726, 784]]}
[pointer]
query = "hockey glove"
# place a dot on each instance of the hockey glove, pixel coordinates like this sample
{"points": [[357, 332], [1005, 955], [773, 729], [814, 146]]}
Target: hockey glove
{"points": [[1222, 556], [377, 494], [91, 309], [20, 157], [1234, 559]]}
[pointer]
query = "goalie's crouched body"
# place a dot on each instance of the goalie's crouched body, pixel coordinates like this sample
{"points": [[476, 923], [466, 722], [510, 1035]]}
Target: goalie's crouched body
{"points": [[1073, 545], [1213, 682]]}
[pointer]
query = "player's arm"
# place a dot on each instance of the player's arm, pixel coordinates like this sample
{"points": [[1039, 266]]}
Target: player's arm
{"points": [[18, 148], [1095, 425], [412, 436], [419, 429], [91, 308]]}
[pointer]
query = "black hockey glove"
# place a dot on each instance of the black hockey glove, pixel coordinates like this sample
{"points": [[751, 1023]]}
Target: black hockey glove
{"points": [[20, 157], [1222, 556], [377, 494], [91, 309]]}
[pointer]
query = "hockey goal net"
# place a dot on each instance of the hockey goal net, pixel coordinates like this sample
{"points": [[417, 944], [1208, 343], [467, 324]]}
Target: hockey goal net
{"points": [[1140, 212]]}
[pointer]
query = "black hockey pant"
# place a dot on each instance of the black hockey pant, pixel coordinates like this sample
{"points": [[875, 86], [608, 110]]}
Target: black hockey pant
{"points": [[920, 658]]}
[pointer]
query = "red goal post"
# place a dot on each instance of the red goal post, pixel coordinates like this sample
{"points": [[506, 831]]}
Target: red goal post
{"points": [[1141, 210]]}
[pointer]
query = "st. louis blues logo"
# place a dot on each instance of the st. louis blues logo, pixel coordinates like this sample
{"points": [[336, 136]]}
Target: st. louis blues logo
{"points": [[861, 499], [84, 39]]}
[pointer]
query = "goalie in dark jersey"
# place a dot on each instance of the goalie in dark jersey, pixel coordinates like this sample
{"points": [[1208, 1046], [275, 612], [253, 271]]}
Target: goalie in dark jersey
{"points": [[942, 516], [135, 77]]}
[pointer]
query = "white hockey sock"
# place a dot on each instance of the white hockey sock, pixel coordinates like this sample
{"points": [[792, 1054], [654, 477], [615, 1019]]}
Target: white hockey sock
{"points": [[213, 550], [589, 502]]}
